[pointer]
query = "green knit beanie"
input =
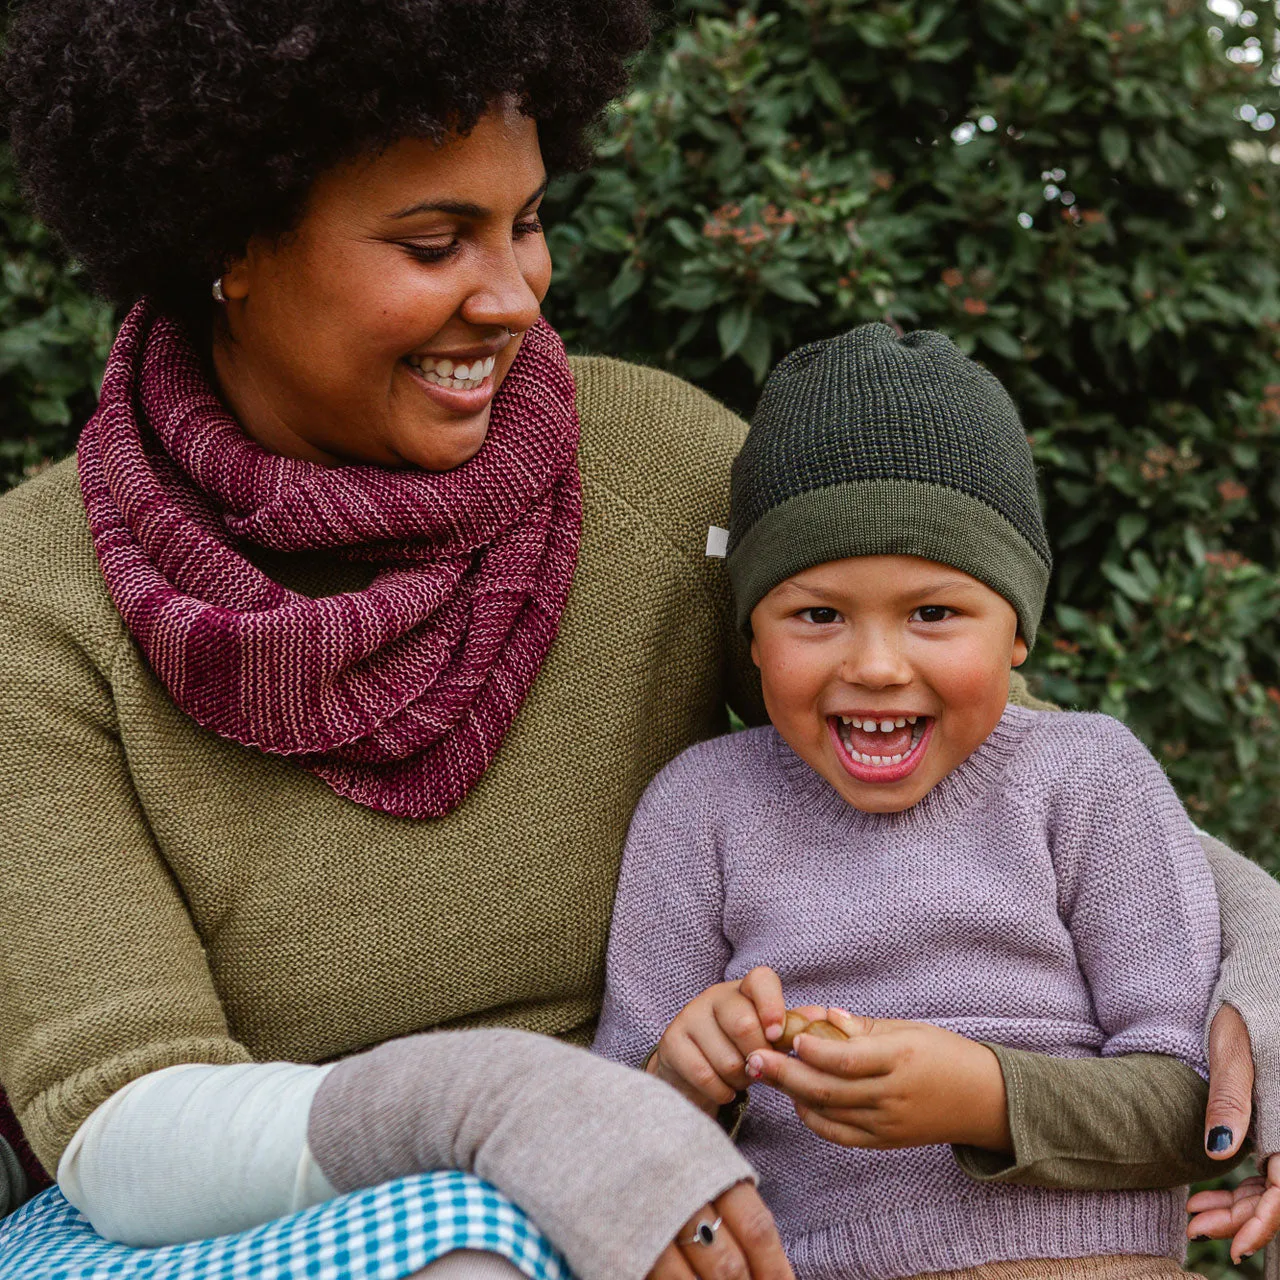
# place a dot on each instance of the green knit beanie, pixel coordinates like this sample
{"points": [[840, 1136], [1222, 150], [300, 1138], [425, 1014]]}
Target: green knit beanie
{"points": [[871, 444]]}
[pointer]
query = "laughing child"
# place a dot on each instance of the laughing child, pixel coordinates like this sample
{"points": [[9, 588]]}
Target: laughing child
{"points": [[903, 843]]}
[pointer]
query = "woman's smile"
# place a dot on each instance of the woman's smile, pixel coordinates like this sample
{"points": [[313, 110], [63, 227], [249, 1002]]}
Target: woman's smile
{"points": [[455, 385]]}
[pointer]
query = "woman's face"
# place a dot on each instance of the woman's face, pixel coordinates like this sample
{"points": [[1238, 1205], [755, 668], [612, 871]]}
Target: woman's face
{"points": [[343, 341]]}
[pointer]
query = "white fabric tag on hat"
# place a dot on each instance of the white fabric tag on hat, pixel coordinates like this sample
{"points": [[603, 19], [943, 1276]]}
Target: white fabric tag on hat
{"points": [[717, 542]]}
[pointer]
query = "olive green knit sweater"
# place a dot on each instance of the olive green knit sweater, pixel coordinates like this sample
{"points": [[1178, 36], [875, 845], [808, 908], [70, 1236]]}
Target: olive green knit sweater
{"points": [[167, 896]]}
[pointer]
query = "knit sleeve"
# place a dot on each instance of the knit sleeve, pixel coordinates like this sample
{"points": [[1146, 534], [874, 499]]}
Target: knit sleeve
{"points": [[102, 974], [1135, 891], [1250, 978], [666, 944]]}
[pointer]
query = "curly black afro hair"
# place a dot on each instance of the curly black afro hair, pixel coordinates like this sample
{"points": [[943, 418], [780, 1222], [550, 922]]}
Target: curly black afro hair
{"points": [[156, 137]]}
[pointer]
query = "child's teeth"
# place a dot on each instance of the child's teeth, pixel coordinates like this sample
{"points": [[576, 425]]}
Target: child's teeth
{"points": [[899, 723], [869, 726], [886, 726], [912, 719]]}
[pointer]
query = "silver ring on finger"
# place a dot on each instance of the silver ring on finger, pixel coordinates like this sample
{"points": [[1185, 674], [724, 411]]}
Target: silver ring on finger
{"points": [[704, 1234]]}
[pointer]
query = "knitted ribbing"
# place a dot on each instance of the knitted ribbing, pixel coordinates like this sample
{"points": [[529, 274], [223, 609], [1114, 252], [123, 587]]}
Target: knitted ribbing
{"points": [[398, 695], [1049, 894], [874, 444]]}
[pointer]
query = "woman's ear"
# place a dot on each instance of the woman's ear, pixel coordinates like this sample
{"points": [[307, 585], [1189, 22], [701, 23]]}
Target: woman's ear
{"points": [[235, 280], [1020, 651]]}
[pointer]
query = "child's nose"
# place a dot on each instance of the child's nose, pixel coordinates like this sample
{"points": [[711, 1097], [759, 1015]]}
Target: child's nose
{"points": [[875, 661]]}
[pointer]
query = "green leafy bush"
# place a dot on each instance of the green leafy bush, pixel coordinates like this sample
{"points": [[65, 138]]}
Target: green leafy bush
{"points": [[1087, 197], [54, 339]]}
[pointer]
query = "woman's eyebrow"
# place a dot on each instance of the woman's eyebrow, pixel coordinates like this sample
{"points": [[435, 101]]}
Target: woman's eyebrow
{"points": [[461, 208]]}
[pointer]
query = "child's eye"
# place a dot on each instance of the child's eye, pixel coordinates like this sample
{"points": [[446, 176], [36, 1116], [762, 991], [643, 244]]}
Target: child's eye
{"points": [[820, 617], [932, 613]]}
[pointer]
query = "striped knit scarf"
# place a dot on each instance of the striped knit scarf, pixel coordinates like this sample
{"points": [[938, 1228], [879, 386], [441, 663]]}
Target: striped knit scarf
{"points": [[397, 696]]}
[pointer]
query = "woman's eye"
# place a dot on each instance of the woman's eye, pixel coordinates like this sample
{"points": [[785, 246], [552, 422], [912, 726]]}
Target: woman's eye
{"points": [[820, 617], [529, 227], [932, 613], [431, 252]]}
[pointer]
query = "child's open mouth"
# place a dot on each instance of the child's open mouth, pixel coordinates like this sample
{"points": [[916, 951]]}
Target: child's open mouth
{"points": [[882, 749]]}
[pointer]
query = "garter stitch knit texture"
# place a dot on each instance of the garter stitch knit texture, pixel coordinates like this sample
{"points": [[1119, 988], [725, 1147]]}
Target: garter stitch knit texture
{"points": [[1049, 894], [398, 695]]}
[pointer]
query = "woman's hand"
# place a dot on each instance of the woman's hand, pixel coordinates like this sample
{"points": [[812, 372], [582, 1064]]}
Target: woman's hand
{"points": [[891, 1084], [703, 1053], [745, 1247], [1249, 1214]]}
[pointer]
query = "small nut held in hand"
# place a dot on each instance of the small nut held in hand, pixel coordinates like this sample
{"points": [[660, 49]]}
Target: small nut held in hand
{"points": [[797, 1024]]}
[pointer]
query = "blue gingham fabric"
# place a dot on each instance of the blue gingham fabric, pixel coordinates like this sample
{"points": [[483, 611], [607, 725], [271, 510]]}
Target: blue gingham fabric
{"points": [[383, 1233]]}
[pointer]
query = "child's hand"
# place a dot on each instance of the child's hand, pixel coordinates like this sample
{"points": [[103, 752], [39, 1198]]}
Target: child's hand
{"points": [[703, 1053], [892, 1084], [1249, 1214]]}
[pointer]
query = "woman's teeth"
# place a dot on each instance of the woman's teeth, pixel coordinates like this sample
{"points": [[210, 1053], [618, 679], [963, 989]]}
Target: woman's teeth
{"points": [[456, 375], [848, 724]]}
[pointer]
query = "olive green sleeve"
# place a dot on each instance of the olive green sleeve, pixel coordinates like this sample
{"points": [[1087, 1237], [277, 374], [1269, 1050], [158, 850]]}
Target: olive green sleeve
{"points": [[103, 977], [1098, 1124]]}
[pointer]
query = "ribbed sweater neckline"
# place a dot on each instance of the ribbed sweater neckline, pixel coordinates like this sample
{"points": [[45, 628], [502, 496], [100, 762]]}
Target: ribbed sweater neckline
{"points": [[963, 787]]}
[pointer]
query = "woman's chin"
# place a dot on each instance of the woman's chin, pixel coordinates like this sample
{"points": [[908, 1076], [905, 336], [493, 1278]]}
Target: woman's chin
{"points": [[442, 446]]}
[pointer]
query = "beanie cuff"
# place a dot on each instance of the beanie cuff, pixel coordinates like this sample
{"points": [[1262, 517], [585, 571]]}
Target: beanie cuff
{"points": [[889, 518]]}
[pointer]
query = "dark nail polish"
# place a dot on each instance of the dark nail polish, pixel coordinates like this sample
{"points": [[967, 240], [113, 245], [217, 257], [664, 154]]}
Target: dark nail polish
{"points": [[1220, 1138], [1198, 1239]]}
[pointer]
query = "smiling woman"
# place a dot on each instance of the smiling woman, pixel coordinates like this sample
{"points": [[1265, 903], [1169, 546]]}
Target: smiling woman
{"points": [[379, 329]]}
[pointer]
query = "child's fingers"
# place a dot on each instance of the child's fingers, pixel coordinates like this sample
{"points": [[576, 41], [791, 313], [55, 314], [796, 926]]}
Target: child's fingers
{"points": [[1213, 1224], [856, 1058], [803, 1082], [844, 1135], [1261, 1227], [738, 1018], [851, 1024], [763, 988], [682, 1056], [729, 1062]]}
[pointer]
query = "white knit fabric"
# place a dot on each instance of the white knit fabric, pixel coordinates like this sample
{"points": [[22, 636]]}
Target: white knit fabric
{"points": [[194, 1151]]}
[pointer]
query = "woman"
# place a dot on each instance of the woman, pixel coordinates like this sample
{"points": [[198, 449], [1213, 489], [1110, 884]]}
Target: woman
{"points": [[337, 660]]}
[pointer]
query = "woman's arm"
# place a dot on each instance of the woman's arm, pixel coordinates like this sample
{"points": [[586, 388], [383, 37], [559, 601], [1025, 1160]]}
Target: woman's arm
{"points": [[1141, 1121], [193, 1152], [105, 977], [1249, 981], [608, 1161]]}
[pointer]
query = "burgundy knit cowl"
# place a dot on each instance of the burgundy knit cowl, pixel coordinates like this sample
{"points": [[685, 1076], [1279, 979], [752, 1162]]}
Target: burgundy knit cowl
{"points": [[399, 695]]}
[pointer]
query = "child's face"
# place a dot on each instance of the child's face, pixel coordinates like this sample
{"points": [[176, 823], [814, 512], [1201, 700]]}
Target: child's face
{"points": [[892, 640]]}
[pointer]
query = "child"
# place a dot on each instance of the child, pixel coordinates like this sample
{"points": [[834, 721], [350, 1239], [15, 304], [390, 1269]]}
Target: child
{"points": [[904, 844]]}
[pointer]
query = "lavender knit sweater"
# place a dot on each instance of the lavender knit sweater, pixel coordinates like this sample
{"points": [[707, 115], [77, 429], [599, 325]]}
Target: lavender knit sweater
{"points": [[1050, 894]]}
